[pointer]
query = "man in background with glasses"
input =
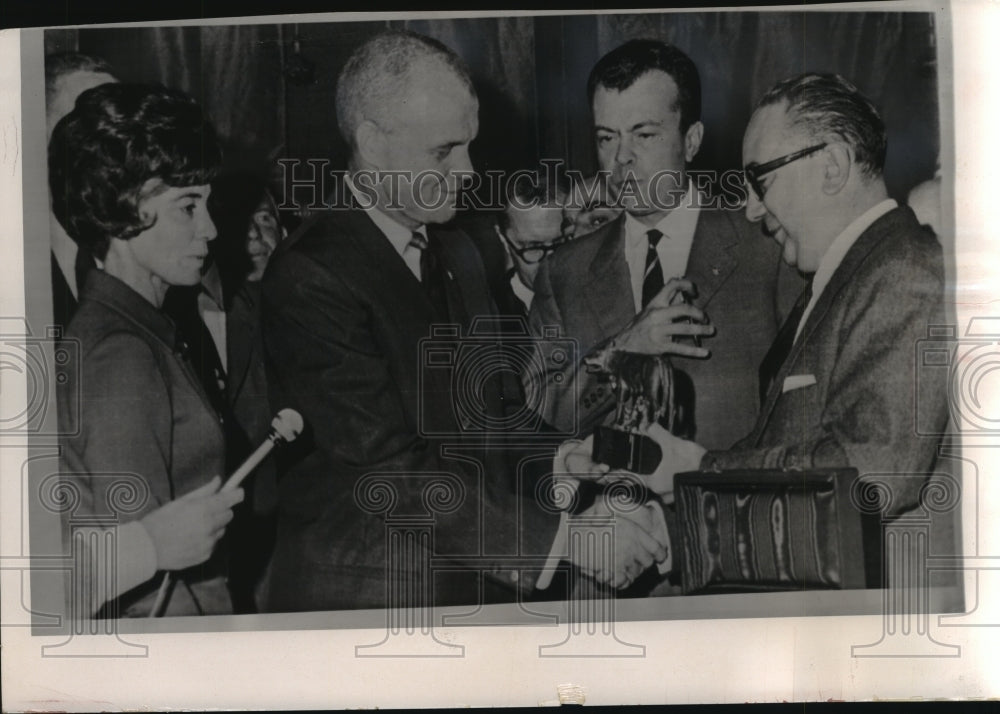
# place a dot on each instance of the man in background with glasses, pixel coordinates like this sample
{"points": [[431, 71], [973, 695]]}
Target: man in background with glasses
{"points": [[841, 385], [534, 223]]}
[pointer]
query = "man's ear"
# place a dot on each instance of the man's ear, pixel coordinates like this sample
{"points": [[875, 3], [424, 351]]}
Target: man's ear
{"points": [[370, 140], [837, 168], [692, 140]]}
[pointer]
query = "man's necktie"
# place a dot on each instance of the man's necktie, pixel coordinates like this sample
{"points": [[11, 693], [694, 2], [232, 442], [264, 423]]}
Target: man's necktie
{"points": [[652, 281], [782, 345], [431, 273]]}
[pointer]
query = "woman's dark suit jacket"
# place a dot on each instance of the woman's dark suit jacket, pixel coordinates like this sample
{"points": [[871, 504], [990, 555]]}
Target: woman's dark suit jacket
{"points": [[137, 431]]}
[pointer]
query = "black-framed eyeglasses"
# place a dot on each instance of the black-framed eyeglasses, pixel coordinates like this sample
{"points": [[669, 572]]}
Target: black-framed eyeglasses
{"points": [[754, 172], [534, 252]]}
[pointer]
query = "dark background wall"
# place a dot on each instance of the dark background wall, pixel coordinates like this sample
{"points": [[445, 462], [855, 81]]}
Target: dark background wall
{"points": [[531, 76]]}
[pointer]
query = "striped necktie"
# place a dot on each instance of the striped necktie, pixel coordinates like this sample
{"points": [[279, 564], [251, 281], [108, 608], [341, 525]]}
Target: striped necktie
{"points": [[652, 281], [431, 275]]}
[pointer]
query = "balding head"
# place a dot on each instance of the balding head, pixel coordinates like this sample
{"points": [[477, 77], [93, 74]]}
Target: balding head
{"points": [[408, 110], [385, 74]]}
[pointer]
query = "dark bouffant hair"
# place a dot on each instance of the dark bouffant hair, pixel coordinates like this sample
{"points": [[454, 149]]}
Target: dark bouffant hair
{"points": [[118, 137]]}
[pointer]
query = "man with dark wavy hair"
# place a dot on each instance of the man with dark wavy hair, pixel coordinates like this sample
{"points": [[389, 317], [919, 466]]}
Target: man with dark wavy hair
{"points": [[619, 288], [67, 75]]}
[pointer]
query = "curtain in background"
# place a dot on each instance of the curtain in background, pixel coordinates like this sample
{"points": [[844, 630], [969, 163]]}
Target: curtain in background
{"points": [[531, 73], [235, 72]]}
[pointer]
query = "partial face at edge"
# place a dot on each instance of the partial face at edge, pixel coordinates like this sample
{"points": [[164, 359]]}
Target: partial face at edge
{"points": [[67, 89]]}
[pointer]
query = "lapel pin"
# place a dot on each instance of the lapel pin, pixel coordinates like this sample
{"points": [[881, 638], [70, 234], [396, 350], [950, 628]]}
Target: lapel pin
{"points": [[715, 271]]}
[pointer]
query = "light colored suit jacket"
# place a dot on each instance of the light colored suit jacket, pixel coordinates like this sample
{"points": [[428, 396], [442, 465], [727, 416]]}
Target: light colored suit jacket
{"points": [[850, 390], [585, 291]]}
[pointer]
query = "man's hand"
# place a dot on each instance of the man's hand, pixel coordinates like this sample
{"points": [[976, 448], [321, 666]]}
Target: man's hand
{"points": [[632, 547], [184, 531], [679, 455], [575, 459], [654, 329]]}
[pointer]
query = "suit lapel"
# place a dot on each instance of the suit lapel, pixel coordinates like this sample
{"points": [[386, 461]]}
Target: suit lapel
{"points": [[394, 275], [609, 289], [455, 275], [711, 261], [840, 279]]}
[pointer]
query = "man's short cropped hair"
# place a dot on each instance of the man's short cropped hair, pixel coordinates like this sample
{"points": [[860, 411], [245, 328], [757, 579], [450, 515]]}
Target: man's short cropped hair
{"points": [[621, 67], [117, 138], [826, 105], [379, 71]]}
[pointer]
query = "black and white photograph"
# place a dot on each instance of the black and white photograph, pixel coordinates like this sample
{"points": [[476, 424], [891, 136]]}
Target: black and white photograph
{"points": [[613, 339]]}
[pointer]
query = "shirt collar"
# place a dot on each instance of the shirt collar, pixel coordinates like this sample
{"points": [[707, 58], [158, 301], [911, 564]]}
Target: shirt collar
{"points": [[842, 243], [834, 255], [211, 285], [398, 234], [679, 224], [65, 250], [522, 291]]}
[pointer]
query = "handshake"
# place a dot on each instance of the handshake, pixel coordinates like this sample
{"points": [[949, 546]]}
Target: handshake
{"points": [[640, 536]]}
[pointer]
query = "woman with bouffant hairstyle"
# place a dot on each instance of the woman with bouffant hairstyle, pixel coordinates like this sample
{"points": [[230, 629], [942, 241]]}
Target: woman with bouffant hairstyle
{"points": [[130, 171]]}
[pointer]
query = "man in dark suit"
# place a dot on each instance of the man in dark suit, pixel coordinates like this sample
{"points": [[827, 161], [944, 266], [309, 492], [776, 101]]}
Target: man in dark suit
{"points": [[349, 303], [67, 76], [841, 379], [614, 287]]}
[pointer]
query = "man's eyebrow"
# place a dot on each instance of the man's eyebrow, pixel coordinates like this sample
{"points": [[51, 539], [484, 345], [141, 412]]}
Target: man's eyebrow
{"points": [[634, 127], [648, 122]]}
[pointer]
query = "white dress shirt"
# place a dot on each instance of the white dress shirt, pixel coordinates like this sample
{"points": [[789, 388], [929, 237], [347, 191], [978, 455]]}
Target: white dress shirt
{"points": [[522, 291], [64, 249], [838, 249], [673, 249], [212, 311]]}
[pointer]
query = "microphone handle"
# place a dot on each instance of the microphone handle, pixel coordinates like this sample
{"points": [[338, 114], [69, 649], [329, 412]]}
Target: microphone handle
{"points": [[231, 483], [250, 464]]}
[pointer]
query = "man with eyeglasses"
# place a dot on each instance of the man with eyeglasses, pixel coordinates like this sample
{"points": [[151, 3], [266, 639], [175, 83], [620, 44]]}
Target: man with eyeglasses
{"points": [[533, 224], [840, 382], [615, 289]]}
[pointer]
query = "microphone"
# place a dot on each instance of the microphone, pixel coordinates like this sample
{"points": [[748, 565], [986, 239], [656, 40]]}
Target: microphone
{"points": [[285, 427]]}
